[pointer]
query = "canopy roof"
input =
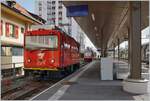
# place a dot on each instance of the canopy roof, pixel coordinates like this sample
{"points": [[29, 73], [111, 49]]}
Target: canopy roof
{"points": [[111, 19]]}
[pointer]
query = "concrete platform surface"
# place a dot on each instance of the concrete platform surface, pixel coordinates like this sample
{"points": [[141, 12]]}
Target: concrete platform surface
{"points": [[85, 84]]}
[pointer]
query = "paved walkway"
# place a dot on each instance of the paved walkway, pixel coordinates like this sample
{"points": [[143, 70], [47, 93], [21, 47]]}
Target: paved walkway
{"points": [[86, 85]]}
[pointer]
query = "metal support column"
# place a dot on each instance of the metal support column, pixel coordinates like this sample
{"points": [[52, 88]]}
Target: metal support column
{"points": [[135, 39], [105, 52], [114, 50], [128, 45], [118, 42], [103, 46]]}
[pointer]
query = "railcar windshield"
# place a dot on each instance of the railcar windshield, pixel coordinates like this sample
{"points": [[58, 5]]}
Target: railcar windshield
{"points": [[41, 42]]}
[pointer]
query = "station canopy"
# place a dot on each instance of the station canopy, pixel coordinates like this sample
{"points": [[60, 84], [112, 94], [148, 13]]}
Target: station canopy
{"points": [[108, 20]]}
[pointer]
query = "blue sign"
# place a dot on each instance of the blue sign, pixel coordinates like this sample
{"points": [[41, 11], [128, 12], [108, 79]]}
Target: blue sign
{"points": [[77, 10]]}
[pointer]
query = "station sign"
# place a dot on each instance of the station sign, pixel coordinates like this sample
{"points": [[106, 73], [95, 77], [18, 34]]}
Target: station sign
{"points": [[77, 10]]}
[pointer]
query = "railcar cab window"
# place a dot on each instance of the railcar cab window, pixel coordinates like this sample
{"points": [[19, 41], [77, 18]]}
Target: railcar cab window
{"points": [[42, 42]]}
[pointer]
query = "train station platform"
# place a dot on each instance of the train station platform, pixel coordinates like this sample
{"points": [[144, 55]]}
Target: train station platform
{"points": [[85, 84]]}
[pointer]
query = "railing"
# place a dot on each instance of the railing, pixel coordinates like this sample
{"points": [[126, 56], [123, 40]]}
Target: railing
{"points": [[11, 69], [12, 76]]}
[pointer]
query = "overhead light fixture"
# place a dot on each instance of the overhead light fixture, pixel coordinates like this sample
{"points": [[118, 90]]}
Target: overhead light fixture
{"points": [[95, 28], [93, 17]]}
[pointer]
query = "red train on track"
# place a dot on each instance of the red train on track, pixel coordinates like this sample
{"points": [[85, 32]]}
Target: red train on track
{"points": [[88, 55], [48, 49]]}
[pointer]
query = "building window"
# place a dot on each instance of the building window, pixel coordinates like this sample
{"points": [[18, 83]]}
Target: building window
{"points": [[11, 51], [48, 2], [60, 13], [53, 8], [22, 30], [49, 8], [6, 51], [40, 3], [48, 13], [11, 30], [53, 2], [40, 8], [17, 51], [1, 27], [53, 20], [60, 2], [53, 13], [60, 7]]}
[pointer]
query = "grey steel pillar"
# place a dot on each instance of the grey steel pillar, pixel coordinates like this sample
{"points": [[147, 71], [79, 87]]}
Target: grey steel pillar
{"points": [[114, 50], [135, 39], [104, 52], [128, 45], [103, 45], [118, 41]]}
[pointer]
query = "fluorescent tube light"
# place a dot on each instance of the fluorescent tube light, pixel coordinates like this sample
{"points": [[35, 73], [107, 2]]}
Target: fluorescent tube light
{"points": [[93, 17]]}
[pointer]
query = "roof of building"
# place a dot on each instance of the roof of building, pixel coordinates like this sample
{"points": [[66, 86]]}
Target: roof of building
{"points": [[13, 5]]}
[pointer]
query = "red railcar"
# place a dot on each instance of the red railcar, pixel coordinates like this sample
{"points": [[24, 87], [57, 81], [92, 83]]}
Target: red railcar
{"points": [[88, 55], [50, 50]]}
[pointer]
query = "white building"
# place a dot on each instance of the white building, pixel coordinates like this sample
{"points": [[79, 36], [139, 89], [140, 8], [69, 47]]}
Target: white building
{"points": [[53, 11], [15, 20]]}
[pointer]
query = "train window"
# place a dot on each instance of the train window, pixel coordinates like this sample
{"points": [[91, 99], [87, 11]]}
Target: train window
{"points": [[53, 40], [34, 42]]}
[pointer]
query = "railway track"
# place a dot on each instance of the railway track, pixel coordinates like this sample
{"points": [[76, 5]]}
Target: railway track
{"points": [[28, 89]]}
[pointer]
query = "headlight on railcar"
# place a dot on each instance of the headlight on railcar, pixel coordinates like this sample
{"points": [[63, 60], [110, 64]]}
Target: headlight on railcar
{"points": [[29, 60], [52, 60]]}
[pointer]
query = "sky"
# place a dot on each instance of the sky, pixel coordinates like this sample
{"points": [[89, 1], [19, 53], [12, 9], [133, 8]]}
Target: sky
{"points": [[27, 4], [30, 4]]}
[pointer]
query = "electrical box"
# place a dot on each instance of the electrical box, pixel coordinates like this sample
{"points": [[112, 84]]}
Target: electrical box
{"points": [[106, 68]]}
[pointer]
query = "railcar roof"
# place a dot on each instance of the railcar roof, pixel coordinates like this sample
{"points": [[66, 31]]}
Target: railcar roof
{"points": [[47, 32]]}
